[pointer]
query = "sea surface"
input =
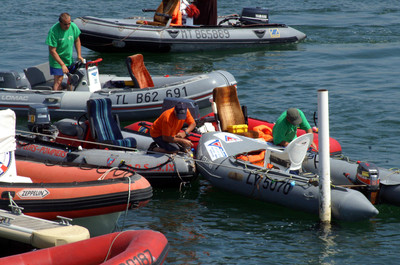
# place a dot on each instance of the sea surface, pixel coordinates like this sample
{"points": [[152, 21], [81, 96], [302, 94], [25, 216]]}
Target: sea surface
{"points": [[352, 50]]}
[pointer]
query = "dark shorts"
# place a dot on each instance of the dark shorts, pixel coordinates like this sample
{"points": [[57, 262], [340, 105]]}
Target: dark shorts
{"points": [[57, 71], [164, 145]]}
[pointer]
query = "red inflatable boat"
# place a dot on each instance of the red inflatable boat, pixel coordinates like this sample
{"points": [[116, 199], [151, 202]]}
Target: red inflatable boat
{"points": [[143, 127], [74, 192], [127, 247]]}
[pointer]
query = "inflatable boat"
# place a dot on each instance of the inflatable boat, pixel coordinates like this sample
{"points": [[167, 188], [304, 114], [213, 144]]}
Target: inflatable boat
{"points": [[143, 128], [379, 184], [74, 192], [127, 247], [273, 174], [251, 29], [158, 169], [133, 98], [97, 141], [227, 115]]}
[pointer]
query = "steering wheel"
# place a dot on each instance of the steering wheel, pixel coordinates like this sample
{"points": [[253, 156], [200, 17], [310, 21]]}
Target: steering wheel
{"points": [[227, 20], [75, 66]]}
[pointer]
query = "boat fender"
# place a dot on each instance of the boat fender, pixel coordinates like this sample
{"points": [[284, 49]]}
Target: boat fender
{"points": [[368, 174]]}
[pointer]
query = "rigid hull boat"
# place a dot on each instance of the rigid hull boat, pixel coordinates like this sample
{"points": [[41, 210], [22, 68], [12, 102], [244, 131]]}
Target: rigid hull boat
{"points": [[127, 247], [262, 171], [132, 98], [251, 29]]}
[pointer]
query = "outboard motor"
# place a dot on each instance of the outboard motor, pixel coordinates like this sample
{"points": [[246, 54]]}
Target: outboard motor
{"points": [[13, 80], [256, 15], [39, 122], [368, 174]]}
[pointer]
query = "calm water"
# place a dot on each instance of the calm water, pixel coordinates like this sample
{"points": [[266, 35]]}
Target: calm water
{"points": [[352, 49]]}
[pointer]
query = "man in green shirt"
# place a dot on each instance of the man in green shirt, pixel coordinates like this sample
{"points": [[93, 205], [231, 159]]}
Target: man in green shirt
{"points": [[61, 39], [285, 128]]}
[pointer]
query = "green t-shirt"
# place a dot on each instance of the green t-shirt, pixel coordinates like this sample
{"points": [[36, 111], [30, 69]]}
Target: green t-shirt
{"points": [[64, 41], [283, 130]]}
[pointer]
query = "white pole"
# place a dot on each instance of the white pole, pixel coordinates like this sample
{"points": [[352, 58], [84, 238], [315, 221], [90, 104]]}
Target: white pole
{"points": [[324, 156]]}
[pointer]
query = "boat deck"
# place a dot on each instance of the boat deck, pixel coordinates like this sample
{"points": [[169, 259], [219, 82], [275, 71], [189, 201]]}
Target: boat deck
{"points": [[40, 233]]}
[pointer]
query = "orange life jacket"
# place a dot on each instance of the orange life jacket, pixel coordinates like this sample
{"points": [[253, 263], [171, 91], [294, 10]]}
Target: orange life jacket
{"points": [[264, 132]]}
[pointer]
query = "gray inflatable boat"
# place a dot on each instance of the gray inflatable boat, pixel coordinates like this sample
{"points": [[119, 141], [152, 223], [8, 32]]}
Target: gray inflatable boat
{"points": [[232, 162], [250, 29], [158, 169], [129, 100], [379, 184]]}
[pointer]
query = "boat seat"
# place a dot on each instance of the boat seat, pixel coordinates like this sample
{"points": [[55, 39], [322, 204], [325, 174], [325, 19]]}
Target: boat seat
{"points": [[39, 77], [168, 12], [104, 128], [229, 111], [137, 70], [295, 152]]}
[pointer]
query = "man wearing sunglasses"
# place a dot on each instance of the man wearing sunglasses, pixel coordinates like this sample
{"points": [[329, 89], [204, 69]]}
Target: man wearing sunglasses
{"points": [[61, 39]]}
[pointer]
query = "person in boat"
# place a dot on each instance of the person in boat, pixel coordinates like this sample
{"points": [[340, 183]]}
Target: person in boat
{"points": [[189, 12], [61, 39], [285, 128], [207, 12], [166, 130]]}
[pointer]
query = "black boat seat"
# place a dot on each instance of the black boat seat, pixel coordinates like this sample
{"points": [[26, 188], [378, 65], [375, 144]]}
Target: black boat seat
{"points": [[137, 70], [104, 128], [39, 77]]}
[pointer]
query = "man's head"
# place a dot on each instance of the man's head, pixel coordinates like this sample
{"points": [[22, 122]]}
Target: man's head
{"points": [[293, 116], [180, 111], [65, 21]]}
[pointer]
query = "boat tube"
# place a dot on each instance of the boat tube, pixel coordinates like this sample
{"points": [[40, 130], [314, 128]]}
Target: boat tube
{"points": [[127, 247]]}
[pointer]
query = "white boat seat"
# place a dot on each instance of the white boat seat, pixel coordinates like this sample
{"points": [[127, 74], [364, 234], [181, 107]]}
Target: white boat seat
{"points": [[39, 76], [295, 152]]}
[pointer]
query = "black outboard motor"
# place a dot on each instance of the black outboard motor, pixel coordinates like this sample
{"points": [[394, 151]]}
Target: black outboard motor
{"points": [[368, 174], [251, 15], [39, 122]]}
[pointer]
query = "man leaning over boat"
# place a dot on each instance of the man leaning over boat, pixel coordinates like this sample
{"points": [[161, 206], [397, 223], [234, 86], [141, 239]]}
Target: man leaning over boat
{"points": [[165, 131], [61, 39], [285, 128]]}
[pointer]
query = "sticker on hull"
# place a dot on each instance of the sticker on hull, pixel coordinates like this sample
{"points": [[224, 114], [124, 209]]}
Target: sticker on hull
{"points": [[215, 149]]}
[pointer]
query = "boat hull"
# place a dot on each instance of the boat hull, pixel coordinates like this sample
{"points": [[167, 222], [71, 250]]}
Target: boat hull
{"points": [[125, 35]]}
